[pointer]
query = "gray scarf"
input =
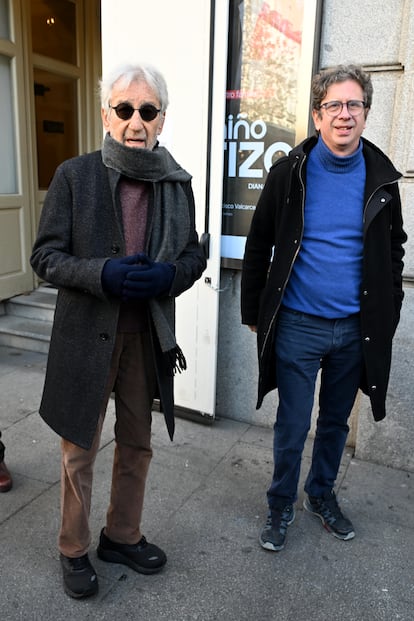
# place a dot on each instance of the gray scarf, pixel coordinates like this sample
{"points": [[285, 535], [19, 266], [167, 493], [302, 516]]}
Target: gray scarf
{"points": [[142, 164], [170, 224]]}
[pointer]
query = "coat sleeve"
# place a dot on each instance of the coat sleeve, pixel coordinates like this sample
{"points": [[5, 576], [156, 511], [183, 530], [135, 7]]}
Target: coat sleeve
{"points": [[52, 256], [191, 262], [258, 251], [398, 238]]}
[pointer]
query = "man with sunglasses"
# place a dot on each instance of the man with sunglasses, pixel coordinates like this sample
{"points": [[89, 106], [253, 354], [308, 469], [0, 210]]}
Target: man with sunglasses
{"points": [[117, 238], [330, 214]]}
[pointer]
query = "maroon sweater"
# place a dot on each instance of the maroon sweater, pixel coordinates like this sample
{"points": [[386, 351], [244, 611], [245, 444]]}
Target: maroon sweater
{"points": [[135, 205]]}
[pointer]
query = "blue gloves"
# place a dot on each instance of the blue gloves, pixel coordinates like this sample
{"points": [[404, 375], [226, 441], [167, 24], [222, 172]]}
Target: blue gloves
{"points": [[114, 273], [150, 279], [136, 277]]}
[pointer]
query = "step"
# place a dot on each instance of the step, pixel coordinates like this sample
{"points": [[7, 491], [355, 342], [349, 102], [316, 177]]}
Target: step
{"points": [[39, 304], [25, 333]]}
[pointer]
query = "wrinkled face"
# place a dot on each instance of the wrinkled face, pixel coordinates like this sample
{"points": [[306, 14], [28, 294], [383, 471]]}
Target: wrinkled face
{"points": [[133, 132], [341, 133]]}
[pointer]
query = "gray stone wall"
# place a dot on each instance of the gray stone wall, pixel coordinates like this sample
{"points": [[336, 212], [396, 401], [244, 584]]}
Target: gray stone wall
{"points": [[381, 37]]}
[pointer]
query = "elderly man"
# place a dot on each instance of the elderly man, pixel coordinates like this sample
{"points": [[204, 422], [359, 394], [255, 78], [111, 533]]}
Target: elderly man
{"points": [[117, 238], [330, 213]]}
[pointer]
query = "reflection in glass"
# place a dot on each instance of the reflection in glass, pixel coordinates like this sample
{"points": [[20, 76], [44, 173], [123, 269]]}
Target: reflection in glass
{"points": [[54, 29], [8, 176], [56, 122], [4, 19], [272, 37]]}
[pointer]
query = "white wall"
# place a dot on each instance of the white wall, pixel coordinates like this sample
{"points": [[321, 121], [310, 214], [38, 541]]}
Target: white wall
{"points": [[175, 37]]}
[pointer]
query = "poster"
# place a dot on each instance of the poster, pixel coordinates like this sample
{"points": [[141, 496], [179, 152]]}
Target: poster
{"points": [[264, 58]]}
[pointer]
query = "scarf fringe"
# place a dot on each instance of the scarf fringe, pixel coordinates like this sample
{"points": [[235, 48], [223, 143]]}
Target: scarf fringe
{"points": [[176, 360]]}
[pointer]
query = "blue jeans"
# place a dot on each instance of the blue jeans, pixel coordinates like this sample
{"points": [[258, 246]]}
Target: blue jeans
{"points": [[304, 344]]}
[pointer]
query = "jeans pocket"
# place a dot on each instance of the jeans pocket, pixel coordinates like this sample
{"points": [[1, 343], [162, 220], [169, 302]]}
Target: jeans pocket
{"points": [[289, 316]]}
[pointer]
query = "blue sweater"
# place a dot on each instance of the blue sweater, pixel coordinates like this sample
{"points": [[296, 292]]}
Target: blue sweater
{"points": [[326, 275]]}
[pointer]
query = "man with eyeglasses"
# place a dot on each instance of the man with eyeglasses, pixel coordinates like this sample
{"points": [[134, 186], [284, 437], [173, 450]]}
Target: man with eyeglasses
{"points": [[117, 238], [329, 298]]}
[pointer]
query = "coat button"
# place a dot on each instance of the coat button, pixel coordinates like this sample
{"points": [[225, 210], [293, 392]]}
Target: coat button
{"points": [[115, 249], [104, 336], [373, 388], [365, 292], [367, 339], [383, 200]]}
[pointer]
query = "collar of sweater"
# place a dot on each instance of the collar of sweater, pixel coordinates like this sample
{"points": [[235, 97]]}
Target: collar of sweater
{"points": [[337, 163], [142, 164]]}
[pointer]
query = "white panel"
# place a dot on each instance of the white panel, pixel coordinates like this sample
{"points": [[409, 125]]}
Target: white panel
{"points": [[178, 43]]}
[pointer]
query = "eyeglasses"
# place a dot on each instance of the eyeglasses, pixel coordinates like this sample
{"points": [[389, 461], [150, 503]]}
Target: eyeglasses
{"points": [[147, 112], [333, 108]]}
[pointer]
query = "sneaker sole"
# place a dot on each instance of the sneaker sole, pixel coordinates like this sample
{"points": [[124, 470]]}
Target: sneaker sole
{"points": [[267, 545], [345, 537], [75, 595], [111, 556]]}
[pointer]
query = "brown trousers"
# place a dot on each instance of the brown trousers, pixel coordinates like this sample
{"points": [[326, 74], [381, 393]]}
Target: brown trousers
{"points": [[133, 379]]}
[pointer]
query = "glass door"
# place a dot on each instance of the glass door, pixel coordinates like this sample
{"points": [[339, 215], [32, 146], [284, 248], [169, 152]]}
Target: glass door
{"points": [[15, 222], [50, 62], [55, 33]]}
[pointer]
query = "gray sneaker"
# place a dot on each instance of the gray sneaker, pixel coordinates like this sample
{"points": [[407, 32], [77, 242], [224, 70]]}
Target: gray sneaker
{"points": [[327, 509], [273, 534]]}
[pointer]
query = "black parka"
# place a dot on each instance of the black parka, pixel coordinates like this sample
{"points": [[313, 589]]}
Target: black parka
{"points": [[277, 227]]}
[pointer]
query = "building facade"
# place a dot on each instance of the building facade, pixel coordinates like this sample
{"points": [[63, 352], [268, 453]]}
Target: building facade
{"points": [[51, 56]]}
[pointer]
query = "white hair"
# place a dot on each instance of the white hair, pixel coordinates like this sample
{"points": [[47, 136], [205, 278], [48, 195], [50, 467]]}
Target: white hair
{"points": [[127, 73]]}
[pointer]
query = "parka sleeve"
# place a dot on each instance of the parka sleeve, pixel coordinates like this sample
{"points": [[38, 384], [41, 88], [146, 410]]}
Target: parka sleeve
{"points": [[258, 251], [398, 238]]}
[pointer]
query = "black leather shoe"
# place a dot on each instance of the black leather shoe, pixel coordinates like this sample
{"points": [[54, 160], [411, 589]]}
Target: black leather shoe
{"points": [[6, 482], [143, 557], [79, 577]]}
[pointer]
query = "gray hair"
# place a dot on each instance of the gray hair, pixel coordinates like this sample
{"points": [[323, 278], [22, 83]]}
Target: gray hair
{"points": [[325, 78], [124, 75]]}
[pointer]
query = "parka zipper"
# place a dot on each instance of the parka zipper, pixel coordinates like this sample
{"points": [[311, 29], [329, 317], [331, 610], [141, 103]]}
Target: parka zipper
{"points": [[301, 164]]}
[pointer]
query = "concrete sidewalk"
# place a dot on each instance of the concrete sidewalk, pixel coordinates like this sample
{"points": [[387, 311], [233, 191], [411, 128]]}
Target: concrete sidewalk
{"points": [[205, 505]]}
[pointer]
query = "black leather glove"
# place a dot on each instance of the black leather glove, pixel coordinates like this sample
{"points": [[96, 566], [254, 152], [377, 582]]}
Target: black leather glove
{"points": [[150, 279], [115, 270]]}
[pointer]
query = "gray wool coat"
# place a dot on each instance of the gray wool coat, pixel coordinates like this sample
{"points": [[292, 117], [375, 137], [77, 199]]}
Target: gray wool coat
{"points": [[80, 228]]}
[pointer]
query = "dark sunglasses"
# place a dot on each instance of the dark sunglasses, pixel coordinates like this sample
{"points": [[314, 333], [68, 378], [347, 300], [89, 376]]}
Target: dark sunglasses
{"points": [[147, 112]]}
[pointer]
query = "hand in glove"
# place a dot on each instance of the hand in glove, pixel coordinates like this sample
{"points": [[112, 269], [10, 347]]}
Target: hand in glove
{"points": [[115, 270], [149, 280]]}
